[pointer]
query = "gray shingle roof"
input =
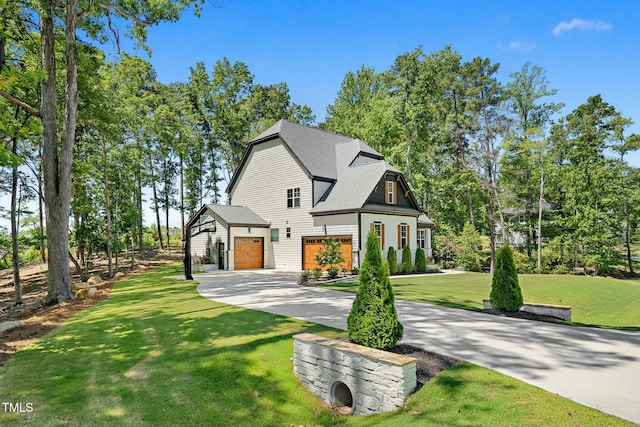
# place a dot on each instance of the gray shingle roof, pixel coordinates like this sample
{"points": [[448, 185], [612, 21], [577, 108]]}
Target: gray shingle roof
{"points": [[238, 215], [312, 146]]}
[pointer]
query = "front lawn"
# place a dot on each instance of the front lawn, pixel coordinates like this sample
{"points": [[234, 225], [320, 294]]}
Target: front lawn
{"points": [[595, 301], [158, 354]]}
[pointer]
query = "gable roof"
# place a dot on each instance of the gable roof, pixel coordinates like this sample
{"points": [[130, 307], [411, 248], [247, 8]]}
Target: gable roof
{"points": [[331, 157], [232, 215], [313, 148]]}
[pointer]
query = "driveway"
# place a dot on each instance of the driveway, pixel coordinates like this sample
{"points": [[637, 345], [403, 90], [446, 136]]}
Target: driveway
{"points": [[596, 367]]}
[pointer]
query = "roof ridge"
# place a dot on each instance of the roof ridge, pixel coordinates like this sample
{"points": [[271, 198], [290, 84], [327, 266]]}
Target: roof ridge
{"points": [[318, 129]]}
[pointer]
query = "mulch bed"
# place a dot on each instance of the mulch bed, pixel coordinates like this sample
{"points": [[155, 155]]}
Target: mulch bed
{"points": [[428, 364]]}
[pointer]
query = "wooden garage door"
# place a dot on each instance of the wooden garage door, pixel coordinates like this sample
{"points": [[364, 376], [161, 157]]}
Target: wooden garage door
{"points": [[311, 245], [249, 252]]}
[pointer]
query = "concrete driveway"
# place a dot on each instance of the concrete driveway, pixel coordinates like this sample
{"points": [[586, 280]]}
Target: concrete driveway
{"points": [[596, 367]]}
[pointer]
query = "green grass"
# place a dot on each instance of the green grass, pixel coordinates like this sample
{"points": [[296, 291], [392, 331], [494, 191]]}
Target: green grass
{"points": [[595, 301], [158, 354]]}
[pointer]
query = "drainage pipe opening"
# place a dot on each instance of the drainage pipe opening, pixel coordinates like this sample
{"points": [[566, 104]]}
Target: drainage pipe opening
{"points": [[342, 398]]}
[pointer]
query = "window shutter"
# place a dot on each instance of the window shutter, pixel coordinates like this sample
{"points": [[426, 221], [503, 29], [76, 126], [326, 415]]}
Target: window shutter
{"points": [[395, 194], [399, 237], [383, 237], [408, 236]]}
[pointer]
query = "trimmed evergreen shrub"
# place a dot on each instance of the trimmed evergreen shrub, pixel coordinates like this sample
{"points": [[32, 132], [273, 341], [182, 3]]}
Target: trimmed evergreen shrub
{"points": [[392, 259], [407, 265], [505, 289], [421, 260], [373, 321]]}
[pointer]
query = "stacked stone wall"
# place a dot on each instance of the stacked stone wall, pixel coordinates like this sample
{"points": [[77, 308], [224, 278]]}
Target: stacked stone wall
{"points": [[376, 381]]}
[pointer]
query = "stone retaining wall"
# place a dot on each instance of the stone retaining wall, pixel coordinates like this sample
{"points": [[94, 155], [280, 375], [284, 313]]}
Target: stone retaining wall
{"points": [[562, 312], [351, 378]]}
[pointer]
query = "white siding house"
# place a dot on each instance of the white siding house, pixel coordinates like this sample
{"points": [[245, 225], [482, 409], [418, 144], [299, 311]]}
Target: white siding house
{"points": [[296, 186]]}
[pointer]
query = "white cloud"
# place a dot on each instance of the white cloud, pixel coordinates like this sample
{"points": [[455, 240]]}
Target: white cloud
{"points": [[582, 25], [521, 46]]}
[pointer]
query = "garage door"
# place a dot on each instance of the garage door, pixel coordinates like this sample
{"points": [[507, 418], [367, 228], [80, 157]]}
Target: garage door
{"points": [[248, 252], [312, 244]]}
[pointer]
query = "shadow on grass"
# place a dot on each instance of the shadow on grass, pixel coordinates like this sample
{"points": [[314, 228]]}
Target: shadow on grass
{"points": [[164, 356]]}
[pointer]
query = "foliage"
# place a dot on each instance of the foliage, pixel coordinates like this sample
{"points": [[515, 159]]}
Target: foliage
{"points": [[469, 256], [407, 264], [252, 345], [523, 263], [330, 253], [316, 273], [445, 248], [373, 320], [332, 272], [392, 260], [304, 276], [421, 260], [505, 290], [355, 271]]}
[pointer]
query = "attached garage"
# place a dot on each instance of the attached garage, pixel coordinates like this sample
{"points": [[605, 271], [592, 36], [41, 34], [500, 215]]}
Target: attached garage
{"points": [[312, 244], [249, 252]]}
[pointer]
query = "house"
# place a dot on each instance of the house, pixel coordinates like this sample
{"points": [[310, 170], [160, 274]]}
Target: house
{"points": [[297, 186], [520, 226]]}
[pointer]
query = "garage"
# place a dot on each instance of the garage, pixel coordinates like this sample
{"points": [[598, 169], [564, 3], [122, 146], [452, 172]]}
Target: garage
{"points": [[249, 252], [312, 244]]}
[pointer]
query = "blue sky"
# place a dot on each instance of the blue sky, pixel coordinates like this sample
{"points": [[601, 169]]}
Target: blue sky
{"points": [[586, 47]]}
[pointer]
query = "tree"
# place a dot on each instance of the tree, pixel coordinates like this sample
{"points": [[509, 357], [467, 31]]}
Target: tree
{"points": [[505, 289], [330, 254], [392, 259], [421, 260], [373, 320], [95, 18], [468, 243], [486, 98], [407, 265], [527, 145]]}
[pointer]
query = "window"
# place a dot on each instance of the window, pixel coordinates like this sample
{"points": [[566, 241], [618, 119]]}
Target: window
{"points": [[275, 234], [378, 228], [403, 236], [288, 232], [391, 193], [422, 238], [293, 197]]}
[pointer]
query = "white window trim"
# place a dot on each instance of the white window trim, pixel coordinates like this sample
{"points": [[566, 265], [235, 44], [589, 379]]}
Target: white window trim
{"points": [[422, 238], [391, 196], [404, 239]]}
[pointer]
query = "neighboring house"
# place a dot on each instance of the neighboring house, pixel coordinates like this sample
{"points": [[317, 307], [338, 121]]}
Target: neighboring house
{"points": [[520, 226], [297, 186]]}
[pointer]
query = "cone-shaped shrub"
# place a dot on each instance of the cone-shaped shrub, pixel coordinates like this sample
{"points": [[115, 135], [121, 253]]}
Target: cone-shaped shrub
{"points": [[421, 261], [505, 289], [373, 320], [392, 259], [407, 265]]}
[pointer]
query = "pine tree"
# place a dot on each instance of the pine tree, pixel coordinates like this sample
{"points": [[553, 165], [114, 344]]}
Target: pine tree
{"points": [[505, 289], [407, 265], [392, 260], [421, 261], [373, 320]]}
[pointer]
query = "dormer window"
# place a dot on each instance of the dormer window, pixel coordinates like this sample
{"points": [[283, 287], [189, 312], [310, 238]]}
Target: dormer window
{"points": [[390, 192], [293, 197]]}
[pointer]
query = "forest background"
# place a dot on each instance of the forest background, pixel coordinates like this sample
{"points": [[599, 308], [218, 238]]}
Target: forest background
{"points": [[475, 145]]}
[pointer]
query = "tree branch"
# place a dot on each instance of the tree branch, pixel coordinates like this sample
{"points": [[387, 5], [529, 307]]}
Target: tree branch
{"points": [[20, 103], [117, 9], [86, 11]]}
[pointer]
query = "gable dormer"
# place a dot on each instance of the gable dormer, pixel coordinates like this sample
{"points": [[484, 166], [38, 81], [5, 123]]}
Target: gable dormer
{"points": [[392, 191]]}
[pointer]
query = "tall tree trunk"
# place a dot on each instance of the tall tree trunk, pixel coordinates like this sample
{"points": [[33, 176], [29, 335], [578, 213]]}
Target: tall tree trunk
{"points": [[139, 207], [627, 239], [14, 224], [57, 159], [156, 208], [181, 196], [107, 206], [43, 255], [540, 208]]}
